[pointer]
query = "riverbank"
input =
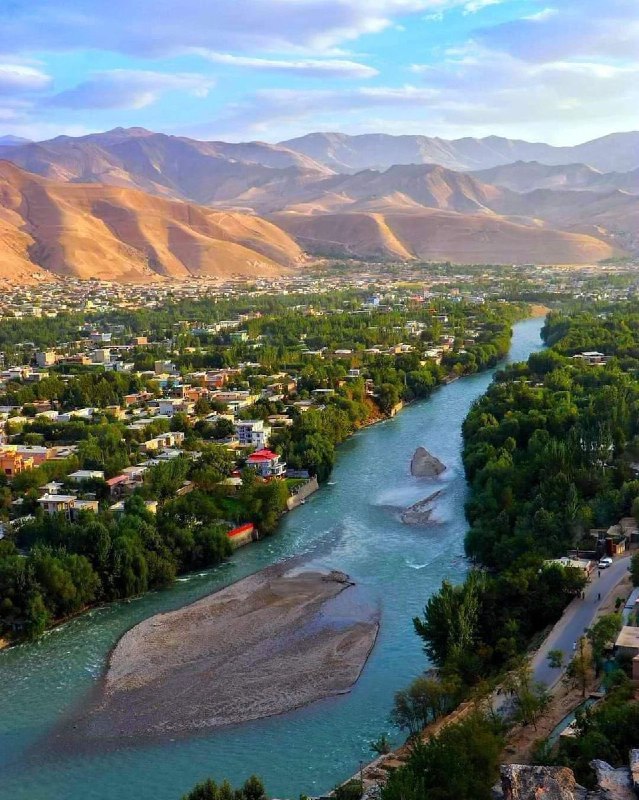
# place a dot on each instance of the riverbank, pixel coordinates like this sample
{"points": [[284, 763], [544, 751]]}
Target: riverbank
{"points": [[351, 523], [272, 642]]}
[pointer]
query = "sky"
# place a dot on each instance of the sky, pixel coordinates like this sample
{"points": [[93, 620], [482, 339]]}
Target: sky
{"points": [[559, 71]]}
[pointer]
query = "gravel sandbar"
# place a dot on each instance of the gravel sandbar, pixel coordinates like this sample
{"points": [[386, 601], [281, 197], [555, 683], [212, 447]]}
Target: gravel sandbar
{"points": [[272, 642]]}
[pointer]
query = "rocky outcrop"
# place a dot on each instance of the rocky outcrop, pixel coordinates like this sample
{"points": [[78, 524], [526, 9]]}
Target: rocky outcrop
{"points": [[420, 513], [634, 769], [425, 465], [523, 782], [614, 784]]}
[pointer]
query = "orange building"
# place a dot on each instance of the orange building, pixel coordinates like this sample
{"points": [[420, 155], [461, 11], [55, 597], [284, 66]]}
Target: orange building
{"points": [[12, 463]]}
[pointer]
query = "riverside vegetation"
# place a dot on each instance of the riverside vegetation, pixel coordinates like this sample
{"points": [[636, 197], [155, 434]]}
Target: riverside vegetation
{"points": [[548, 453], [51, 568]]}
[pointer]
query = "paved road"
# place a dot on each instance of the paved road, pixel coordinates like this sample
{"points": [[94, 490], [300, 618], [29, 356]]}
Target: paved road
{"points": [[576, 619]]}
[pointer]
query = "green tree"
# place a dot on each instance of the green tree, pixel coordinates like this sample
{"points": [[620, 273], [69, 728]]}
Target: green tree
{"points": [[602, 635], [555, 659]]}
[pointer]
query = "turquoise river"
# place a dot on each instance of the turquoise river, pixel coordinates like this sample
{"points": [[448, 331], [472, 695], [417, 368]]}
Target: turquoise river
{"points": [[351, 524]]}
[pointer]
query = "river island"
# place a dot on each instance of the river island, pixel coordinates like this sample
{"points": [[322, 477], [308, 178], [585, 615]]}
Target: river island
{"points": [[272, 642]]}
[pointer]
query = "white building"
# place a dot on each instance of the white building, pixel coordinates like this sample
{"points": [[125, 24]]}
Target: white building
{"points": [[252, 433], [86, 475]]}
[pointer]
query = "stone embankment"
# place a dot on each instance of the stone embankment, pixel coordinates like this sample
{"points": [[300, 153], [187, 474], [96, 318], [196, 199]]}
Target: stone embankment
{"points": [[309, 488]]}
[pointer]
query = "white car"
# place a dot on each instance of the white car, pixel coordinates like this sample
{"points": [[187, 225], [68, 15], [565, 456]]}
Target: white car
{"points": [[604, 563]]}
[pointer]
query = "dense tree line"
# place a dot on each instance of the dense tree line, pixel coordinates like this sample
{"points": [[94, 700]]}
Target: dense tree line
{"points": [[460, 763], [548, 448], [71, 565], [252, 789], [53, 567], [547, 452], [93, 389], [607, 731]]}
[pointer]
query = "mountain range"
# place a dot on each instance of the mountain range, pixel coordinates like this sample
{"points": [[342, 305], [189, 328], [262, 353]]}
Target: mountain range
{"points": [[136, 205], [119, 234]]}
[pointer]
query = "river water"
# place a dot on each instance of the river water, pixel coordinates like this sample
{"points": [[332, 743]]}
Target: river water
{"points": [[352, 524]]}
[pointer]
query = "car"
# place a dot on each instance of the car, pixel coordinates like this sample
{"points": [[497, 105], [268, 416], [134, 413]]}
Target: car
{"points": [[604, 563]]}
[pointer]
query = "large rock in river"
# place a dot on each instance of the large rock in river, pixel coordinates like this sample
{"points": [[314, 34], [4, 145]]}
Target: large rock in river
{"points": [[425, 465]]}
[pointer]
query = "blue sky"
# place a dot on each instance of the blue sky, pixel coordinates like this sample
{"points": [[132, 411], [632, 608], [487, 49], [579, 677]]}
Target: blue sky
{"points": [[561, 71]]}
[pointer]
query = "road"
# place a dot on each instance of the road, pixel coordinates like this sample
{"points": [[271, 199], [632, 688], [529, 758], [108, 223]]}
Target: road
{"points": [[576, 619]]}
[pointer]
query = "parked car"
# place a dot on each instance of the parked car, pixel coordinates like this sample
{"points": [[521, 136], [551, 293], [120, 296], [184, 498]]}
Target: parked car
{"points": [[604, 563]]}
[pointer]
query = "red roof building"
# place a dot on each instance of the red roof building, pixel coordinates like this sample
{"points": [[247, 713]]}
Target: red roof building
{"points": [[267, 463]]}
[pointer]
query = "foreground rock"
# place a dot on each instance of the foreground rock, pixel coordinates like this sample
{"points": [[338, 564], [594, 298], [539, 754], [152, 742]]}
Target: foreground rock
{"points": [[523, 782], [425, 465], [268, 644], [615, 784], [420, 513]]}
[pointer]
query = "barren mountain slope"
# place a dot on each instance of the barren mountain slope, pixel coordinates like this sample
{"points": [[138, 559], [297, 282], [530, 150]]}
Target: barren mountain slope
{"points": [[435, 235], [425, 185], [113, 233], [343, 153], [526, 176], [168, 165]]}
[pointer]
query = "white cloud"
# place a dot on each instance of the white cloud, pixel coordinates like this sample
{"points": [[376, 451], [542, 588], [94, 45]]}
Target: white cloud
{"points": [[311, 68], [273, 110], [18, 77], [132, 89], [154, 28], [473, 6], [575, 29], [471, 91]]}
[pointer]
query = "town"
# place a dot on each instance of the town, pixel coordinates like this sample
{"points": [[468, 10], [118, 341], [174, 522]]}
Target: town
{"points": [[205, 428]]}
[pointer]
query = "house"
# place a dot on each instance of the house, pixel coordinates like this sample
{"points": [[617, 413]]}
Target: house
{"points": [[101, 355], [38, 454], [46, 359], [172, 439], [136, 473], [91, 506], [592, 358], [242, 535], [165, 368], [583, 564], [252, 432], [57, 504], [267, 464], [81, 475], [627, 643], [13, 463], [169, 407], [150, 505], [118, 485]]}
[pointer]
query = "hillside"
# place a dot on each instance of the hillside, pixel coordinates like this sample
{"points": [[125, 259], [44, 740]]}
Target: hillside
{"points": [[434, 235], [171, 166], [400, 186], [516, 195], [112, 233], [526, 176]]}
